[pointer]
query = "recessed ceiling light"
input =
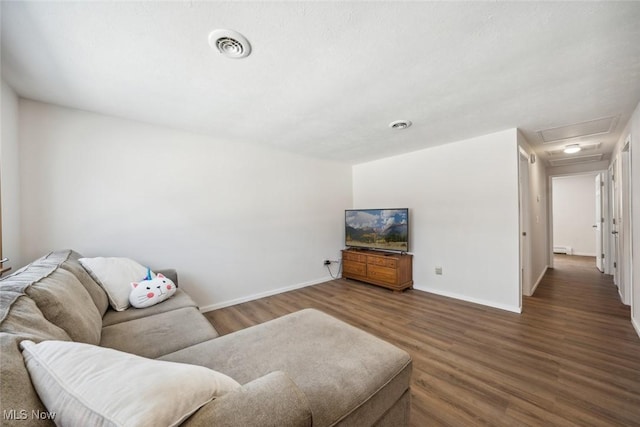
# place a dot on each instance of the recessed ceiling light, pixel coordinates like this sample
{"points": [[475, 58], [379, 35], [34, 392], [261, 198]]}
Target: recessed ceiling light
{"points": [[230, 43], [400, 124], [572, 148]]}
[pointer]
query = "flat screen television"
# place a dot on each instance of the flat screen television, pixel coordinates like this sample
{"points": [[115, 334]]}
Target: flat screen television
{"points": [[382, 229]]}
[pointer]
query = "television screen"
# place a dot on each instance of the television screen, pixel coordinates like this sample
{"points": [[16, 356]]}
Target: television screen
{"points": [[386, 229]]}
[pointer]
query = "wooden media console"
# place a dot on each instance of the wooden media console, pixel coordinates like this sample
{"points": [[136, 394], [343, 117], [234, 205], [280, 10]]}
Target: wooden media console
{"points": [[387, 269]]}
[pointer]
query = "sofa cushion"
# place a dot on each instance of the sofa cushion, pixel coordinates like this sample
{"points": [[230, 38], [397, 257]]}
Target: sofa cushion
{"points": [[254, 405], [23, 321], [340, 368], [98, 295], [180, 300], [16, 391], [15, 285], [66, 303], [115, 275], [89, 385], [159, 334]]}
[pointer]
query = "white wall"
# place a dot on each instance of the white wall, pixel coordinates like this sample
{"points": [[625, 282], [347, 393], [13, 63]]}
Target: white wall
{"points": [[463, 214], [537, 227], [574, 201], [623, 240], [237, 221], [635, 212], [9, 178], [633, 129]]}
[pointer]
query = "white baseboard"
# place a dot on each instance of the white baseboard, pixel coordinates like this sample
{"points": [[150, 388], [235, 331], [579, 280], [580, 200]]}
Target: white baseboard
{"points": [[622, 297], [240, 300], [568, 250], [583, 254], [533, 290], [511, 308], [253, 297], [636, 325]]}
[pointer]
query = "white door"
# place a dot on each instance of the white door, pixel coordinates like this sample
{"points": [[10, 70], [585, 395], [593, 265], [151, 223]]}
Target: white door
{"points": [[624, 225], [613, 205], [597, 226], [523, 201]]}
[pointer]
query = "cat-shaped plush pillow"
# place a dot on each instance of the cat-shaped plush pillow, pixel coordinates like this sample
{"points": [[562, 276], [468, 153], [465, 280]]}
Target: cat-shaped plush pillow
{"points": [[151, 291]]}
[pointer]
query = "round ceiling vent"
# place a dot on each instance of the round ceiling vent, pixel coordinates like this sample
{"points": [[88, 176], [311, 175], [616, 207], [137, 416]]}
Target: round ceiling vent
{"points": [[230, 43], [400, 124]]}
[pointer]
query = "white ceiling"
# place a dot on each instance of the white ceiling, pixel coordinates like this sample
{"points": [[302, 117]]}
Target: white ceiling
{"points": [[326, 78]]}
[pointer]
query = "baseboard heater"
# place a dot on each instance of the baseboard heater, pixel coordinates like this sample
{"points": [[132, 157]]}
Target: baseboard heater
{"points": [[563, 250]]}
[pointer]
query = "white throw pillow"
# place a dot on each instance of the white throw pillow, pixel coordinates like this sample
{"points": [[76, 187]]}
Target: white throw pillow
{"points": [[151, 292], [87, 385], [115, 275]]}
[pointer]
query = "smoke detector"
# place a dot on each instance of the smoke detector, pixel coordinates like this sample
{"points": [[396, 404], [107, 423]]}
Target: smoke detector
{"points": [[230, 43], [400, 124]]}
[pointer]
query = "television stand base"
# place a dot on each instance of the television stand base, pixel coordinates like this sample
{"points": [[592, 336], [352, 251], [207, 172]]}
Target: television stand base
{"points": [[390, 270]]}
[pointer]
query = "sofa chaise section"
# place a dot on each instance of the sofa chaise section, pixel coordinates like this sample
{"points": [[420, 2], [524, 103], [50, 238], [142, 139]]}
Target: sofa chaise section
{"points": [[348, 376]]}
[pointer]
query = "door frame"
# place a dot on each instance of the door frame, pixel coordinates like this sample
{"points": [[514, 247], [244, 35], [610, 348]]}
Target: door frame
{"points": [[614, 206], [599, 222], [524, 228], [605, 246], [626, 224]]}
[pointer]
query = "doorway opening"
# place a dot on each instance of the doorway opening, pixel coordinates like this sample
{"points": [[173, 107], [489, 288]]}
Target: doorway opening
{"points": [[576, 215]]}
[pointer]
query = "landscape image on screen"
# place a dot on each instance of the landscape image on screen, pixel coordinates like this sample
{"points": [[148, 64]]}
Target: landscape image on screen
{"points": [[378, 229]]}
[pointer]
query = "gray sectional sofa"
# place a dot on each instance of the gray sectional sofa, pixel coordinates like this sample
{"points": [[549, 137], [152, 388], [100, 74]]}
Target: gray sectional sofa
{"points": [[303, 369]]}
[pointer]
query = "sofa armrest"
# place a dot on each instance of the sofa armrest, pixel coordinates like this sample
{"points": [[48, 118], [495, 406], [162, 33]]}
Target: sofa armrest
{"points": [[169, 273], [271, 400]]}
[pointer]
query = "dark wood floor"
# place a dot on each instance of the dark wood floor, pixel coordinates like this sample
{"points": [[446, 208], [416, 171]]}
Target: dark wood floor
{"points": [[571, 358]]}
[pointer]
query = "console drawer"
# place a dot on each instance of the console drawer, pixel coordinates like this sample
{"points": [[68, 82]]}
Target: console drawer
{"points": [[354, 268], [350, 256], [383, 274], [383, 262]]}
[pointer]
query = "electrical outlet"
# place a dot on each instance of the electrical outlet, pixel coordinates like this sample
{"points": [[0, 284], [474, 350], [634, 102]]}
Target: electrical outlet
{"points": [[439, 271]]}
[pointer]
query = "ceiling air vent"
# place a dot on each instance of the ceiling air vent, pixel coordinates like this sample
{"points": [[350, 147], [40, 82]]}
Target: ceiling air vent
{"points": [[574, 160], [578, 130], [400, 124], [230, 43]]}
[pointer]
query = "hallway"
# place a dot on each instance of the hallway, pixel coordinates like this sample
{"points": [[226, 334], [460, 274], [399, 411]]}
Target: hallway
{"points": [[591, 340], [576, 284]]}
